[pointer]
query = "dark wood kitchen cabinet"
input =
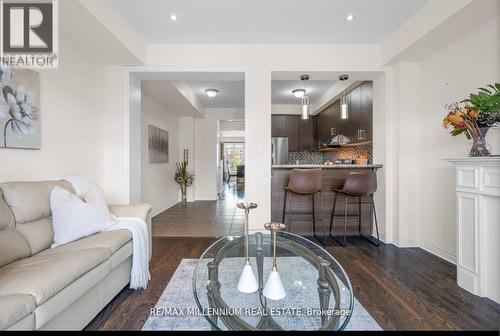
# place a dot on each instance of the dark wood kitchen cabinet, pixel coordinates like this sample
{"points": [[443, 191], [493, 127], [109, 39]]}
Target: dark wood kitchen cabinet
{"points": [[307, 138], [366, 124], [358, 125], [293, 132], [278, 126], [344, 125], [355, 115], [360, 113], [311, 134], [300, 133], [321, 126], [328, 123]]}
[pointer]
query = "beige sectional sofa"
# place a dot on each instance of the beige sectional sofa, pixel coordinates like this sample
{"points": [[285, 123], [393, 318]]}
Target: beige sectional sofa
{"points": [[64, 287]]}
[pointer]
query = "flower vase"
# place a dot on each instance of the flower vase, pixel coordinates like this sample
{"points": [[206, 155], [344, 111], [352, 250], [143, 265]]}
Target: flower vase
{"points": [[479, 145], [183, 194]]}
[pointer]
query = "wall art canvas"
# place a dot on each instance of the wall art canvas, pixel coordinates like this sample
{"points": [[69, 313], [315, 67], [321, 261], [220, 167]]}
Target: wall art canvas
{"points": [[157, 145], [19, 108]]}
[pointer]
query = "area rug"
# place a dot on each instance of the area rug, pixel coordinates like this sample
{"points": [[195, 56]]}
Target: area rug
{"points": [[178, 298]]}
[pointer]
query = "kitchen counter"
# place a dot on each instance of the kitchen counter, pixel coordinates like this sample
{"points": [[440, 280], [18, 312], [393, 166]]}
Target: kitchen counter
{"points": [[326, 166], [333, 177]]}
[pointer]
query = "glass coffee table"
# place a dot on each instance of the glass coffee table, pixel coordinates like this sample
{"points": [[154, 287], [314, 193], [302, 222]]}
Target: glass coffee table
{"points": [[318, 292]]}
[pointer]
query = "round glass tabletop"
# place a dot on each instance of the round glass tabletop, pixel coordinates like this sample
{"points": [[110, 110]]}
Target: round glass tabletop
{"points": [[317, 292]]}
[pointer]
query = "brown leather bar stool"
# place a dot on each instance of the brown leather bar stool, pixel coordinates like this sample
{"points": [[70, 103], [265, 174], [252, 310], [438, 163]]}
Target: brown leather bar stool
{"points": [[306, 182], [357, 185]]}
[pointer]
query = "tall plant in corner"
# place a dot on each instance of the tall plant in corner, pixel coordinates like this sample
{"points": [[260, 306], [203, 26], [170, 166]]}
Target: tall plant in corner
{"points": [[474, 117], [183, 178]]}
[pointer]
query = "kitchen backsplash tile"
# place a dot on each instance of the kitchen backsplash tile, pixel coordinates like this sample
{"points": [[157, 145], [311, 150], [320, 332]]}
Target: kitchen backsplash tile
{"points": [[305, 158], [344, 153], [353, 153]]}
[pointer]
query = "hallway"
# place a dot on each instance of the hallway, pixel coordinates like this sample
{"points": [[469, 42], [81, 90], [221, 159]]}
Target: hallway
{"points": [[204, 218]]}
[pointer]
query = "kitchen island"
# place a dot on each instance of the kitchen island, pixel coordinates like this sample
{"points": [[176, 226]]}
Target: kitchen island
{"points": [[334, 176]]}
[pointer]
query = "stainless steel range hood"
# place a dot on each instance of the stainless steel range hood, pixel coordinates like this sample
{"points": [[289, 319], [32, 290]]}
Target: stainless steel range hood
{"points": [[337, 141]]}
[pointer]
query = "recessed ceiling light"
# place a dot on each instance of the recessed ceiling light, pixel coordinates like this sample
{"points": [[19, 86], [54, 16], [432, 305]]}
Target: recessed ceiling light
{"points": [[299, 93], [211, 93], [173, 17], [349, 17]]}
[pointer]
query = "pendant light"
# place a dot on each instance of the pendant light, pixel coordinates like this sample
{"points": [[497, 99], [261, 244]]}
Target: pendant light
{"points": [[344, 111], [299, 93], [305, 108], [305, 99]]}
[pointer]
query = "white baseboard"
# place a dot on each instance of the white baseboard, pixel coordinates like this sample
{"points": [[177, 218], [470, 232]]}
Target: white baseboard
{"points": [[438, 252], [159, 211], [408, 243], [382, 238], [401, 243]]}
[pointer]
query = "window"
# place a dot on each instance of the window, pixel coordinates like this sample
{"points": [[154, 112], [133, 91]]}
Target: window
{"points": [[234, 156]]}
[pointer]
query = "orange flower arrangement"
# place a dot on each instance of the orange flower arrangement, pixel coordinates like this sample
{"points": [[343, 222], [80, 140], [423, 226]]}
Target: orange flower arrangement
{"points": [[474, 117], [462, 119]]}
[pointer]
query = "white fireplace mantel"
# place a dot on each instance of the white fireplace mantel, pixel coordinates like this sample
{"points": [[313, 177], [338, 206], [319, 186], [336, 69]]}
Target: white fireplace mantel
{"points": [[478, 225]]}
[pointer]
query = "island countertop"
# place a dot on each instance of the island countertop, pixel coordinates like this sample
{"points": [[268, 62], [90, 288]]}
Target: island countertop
{"points": [[334, 177], [327, 166]]}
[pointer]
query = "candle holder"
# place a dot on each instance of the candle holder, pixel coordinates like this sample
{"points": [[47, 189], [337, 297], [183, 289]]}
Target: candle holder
{"points": [[247, 283], [274, 289]]}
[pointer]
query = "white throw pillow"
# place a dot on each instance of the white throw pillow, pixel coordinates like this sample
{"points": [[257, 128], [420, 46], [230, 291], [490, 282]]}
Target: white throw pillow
{"points": [[74, 218]]}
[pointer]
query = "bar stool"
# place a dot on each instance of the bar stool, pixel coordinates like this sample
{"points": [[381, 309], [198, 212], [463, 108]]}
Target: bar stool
{"points": [[357, 185], [306, 182]]}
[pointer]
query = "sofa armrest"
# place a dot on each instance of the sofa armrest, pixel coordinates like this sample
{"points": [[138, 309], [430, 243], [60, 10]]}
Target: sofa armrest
{"points": [[141, 210]]}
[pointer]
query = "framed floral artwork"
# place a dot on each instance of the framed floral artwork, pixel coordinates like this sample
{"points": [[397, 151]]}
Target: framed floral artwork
{"points": [[19, 108]]}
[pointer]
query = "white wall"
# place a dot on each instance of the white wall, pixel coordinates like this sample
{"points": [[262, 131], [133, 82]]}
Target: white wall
{"points": [[186, 141], [72, 124], [206, 145], [135, 139], [118, 150], [408, 146], [416, 183], [448, 76], [157, 179], [380, 130]]}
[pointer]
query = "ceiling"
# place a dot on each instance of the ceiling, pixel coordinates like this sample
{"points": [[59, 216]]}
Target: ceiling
{"points": [[189, 76], [282, 90], [325, 75], [165, 93], [231, 93], [261, 21], [168, 89], [235, 125], [168, 93]]}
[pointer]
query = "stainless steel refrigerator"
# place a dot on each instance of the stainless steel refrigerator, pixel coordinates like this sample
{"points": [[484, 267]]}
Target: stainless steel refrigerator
{"points": [[279, 151]]}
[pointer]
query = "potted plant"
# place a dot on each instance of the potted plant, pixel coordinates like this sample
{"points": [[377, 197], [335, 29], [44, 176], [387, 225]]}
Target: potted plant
{"points": [[474, 117], [183, 178]]}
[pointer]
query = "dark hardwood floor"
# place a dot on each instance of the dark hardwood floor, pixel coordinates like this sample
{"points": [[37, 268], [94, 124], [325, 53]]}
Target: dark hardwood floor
{"points": [[401, 288], [129, 309]]}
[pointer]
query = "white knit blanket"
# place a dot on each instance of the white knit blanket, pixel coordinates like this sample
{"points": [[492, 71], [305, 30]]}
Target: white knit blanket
{"points": [[137, 226]]}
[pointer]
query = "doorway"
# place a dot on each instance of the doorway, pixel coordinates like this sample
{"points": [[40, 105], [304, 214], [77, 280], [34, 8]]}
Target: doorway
{"points": [[234, 171], [198, 113]]}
